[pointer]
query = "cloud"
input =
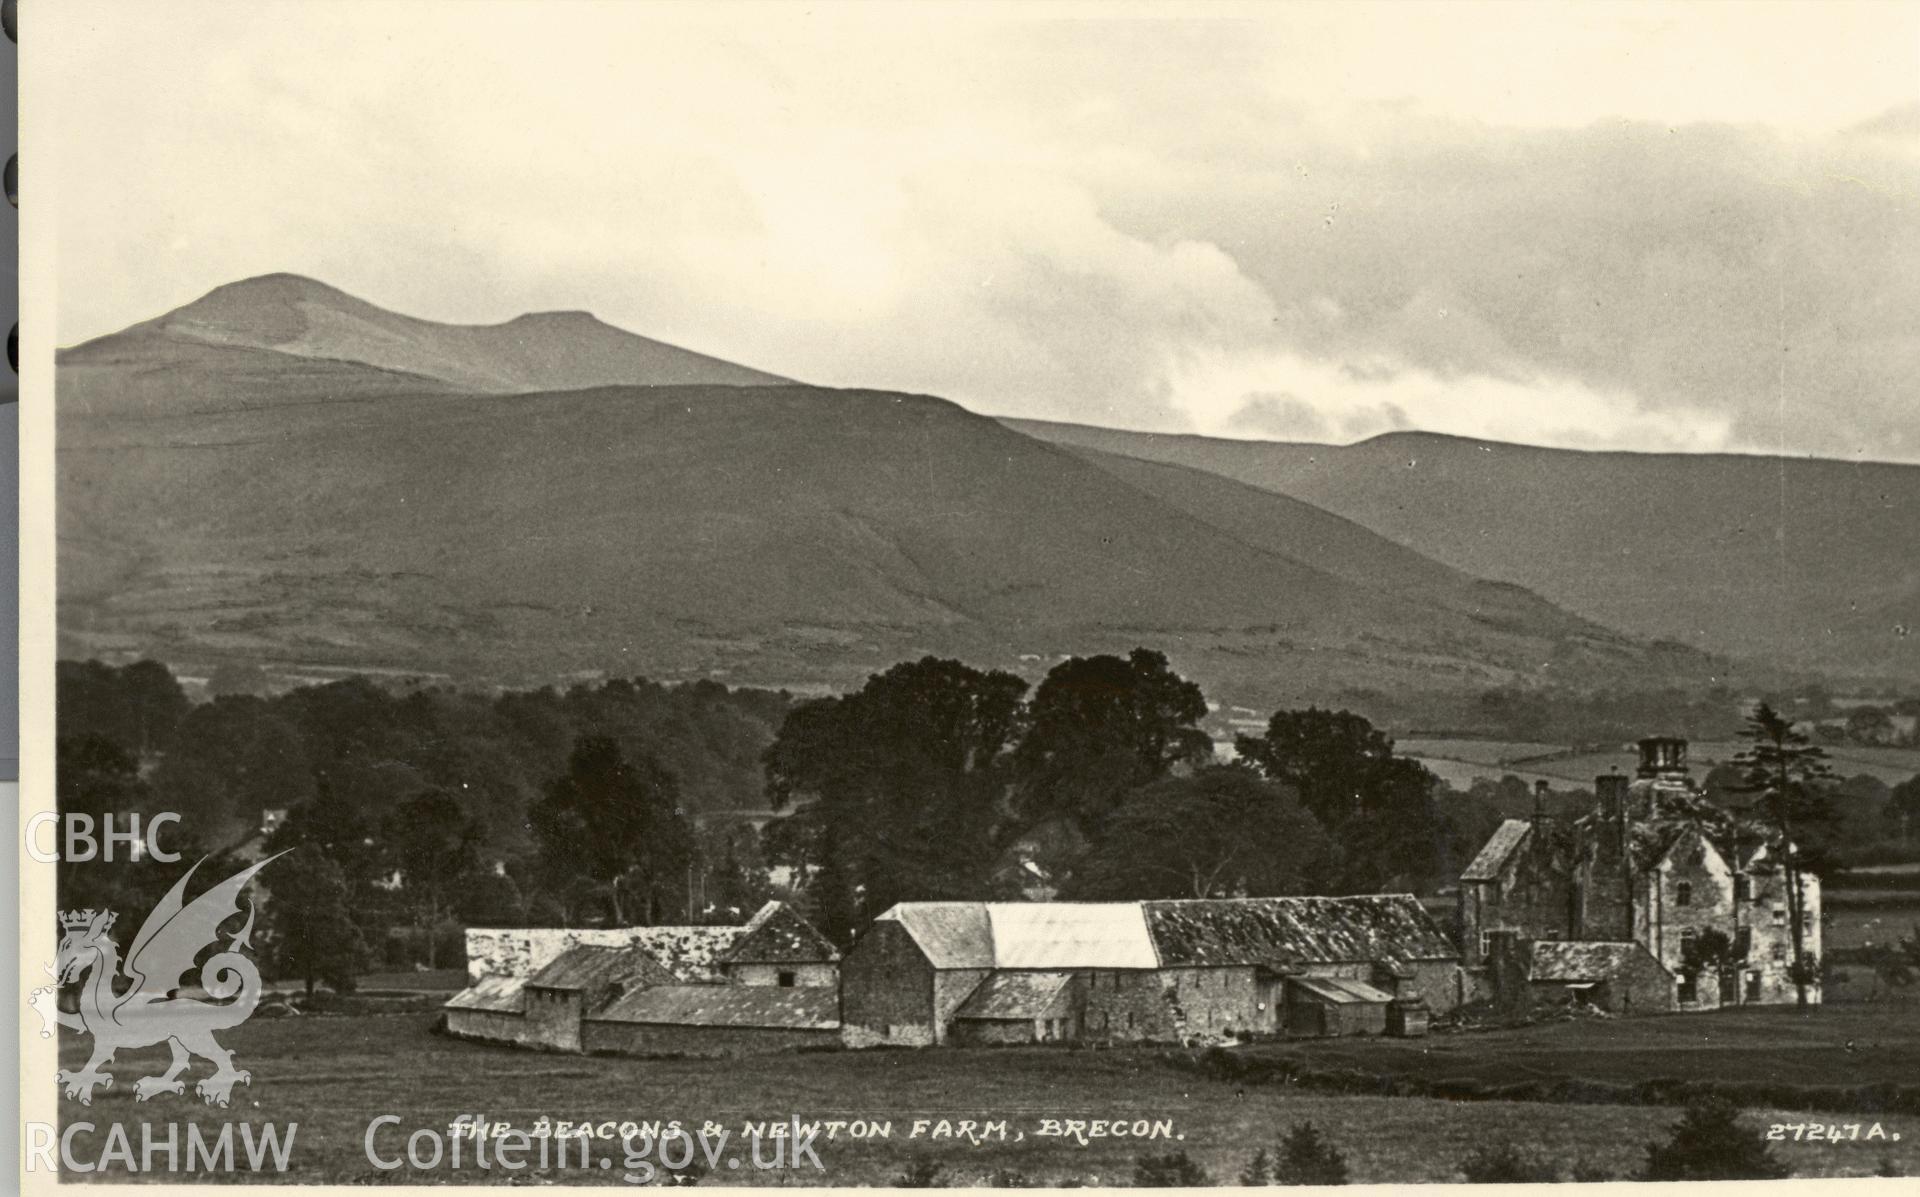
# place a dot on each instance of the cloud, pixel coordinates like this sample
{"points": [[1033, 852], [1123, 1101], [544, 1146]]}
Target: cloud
{"points": [[1310, 224]]}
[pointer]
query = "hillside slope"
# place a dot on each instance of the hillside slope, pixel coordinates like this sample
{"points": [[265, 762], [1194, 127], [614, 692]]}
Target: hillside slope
{"points": [[785, 535], [1812, 562], [303, 319]]}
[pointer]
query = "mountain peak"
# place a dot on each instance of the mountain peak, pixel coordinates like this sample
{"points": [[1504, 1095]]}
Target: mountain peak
{"points": [[305, 318]]}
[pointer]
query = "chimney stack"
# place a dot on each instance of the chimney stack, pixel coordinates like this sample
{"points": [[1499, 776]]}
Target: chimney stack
{"points": [[1611, 789], [1540, 801], [1663, 757]]}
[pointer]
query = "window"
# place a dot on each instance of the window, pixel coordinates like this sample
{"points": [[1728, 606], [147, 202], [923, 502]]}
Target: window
{"points": [[1753, 987], [1689, 990], [1779, 916], [1742, 888], [786, 979], [1683, 894], [1779, 951], [1129, 1020]]}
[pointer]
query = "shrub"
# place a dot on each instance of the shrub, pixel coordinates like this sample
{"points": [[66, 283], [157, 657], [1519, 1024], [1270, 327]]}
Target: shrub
{"points": [[1708, 1143], [921, 1174], [1505, 1164], [1259, 1169], [1887, 1167], [1172, 1171], [1306, 1158], [1008, 1178]]}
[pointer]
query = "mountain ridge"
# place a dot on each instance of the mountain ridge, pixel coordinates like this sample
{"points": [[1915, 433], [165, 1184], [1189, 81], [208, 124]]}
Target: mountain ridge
{"points": [[1810, 563], [302, 317]]}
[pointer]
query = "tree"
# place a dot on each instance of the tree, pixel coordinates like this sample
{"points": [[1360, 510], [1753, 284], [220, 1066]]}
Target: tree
{"points": [[1380, 808], [900, 786], [309, 929], [137, 706], [617, 824], [1903, 809], [1307, 1158], [435, 847], [1102, 726], [1869, 725], [1175, 1170], [1787, 772], [1708, 1143], [1223, 832]]}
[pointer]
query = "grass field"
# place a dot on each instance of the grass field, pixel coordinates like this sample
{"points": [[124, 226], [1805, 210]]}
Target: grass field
{"points": [[1460, 761], [332, 1076]]}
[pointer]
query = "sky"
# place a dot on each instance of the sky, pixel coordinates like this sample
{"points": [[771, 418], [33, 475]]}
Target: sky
{"points": [[1662, 227]]}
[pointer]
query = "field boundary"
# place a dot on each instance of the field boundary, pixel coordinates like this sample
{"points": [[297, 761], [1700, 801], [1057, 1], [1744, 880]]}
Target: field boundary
{"points": [[1227, 1064]]}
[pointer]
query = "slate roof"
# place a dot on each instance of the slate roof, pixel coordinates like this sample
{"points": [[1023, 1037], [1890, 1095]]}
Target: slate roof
{"points": [[815, 1007], [1492, 860], [951, 934], [1341, 991], [1015, 996], [496, 995], [1288, 931], [778, 935], [690, 953], [1142, 935], [1070, 935], [589, 967], [1578, 960]]}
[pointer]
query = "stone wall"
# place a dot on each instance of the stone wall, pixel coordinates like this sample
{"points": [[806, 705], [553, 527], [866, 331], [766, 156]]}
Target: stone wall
{"points": [[887, 989], [652, 1039], [980, 1031], [490, 1025], [1127, 1005], [823, 975], [553, 1018]]}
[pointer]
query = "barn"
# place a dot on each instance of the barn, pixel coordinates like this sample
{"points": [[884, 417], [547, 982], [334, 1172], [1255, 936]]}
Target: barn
{"points": [[1164, 971], [543, 987], [715, 1020]]}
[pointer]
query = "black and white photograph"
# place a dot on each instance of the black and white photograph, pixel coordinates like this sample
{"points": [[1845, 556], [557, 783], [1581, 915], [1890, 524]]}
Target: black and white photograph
{"points": [[927, 595]]}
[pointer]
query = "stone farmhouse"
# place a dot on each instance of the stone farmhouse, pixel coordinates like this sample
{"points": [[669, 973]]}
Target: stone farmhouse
{"points": [[1019, 972], [770, 983], [1614, 908]]}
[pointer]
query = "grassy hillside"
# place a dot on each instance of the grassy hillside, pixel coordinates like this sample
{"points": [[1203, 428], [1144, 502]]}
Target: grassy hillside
{"points": [[232, 487], [304, 319], [1810, 561]]}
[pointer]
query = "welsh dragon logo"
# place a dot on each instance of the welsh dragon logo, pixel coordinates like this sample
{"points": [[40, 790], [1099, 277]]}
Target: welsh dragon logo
{"points": [[133, 1004]]}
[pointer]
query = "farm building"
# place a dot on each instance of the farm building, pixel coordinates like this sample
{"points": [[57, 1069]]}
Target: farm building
{"points": [[1653, 864], [714, 1020], [928, 972], [1619, 978], [578, 989]]}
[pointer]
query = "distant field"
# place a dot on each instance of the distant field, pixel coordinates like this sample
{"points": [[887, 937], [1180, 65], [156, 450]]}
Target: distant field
{"points": [[1834, 1045], [333, 1075], [1460, 761]]}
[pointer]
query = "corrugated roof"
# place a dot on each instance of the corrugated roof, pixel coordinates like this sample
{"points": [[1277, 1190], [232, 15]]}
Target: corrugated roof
{"points": [[777, 934], [1578, 960], [497, 995], [1290, 931], [1070, 935], [1340, 990], [951, 934], [591, 967], [814, 1007], [1492, 859], [1015, 996]]}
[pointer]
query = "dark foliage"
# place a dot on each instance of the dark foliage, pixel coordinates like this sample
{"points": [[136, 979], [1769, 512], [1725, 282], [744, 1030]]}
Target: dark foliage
{"points": [[1307, 1158], [1175, 1170], [1708, 1143], [1505, 1164]]}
